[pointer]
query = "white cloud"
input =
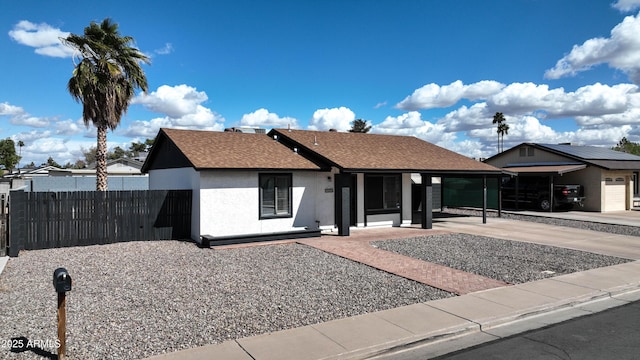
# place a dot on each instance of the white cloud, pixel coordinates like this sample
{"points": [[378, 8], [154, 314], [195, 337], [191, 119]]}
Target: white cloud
{"points": [[596, 99], [466, 118], [43, 37], [436, 96], [380, 104], [167, 49], [18, 116], [626, 5], [201, 119], [335, 118], [29, 137], [620, 51], [7, 109], [412, 124], [71, 127], [173, 101], [182, 106], [265, 119]]}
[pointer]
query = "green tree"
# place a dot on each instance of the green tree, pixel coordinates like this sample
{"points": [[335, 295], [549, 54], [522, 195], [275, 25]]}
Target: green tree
{"points": [[105, 80], [360, 126], [8, 157], [149, 143], [79, 164], [89, 155], [118, 153], [51, 162], [137, 147], [627, 146]]}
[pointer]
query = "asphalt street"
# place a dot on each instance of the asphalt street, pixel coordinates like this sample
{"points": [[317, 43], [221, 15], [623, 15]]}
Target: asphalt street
{"points": [[612, 334]]}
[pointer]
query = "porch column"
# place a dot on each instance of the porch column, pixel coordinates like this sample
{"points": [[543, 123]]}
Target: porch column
{"points": [[343, 203], [427, 202]]}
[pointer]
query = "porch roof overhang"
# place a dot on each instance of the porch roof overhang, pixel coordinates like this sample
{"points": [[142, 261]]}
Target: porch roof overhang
{"points": [[433, 172], [543, 169]]}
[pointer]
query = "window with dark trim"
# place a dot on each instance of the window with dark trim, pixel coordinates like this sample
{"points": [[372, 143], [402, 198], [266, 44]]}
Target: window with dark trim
{"points": [[275, 195], [383, 193]]}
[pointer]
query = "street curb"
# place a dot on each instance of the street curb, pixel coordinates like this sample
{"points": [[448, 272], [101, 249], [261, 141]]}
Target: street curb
{"points": [[498, 328]]}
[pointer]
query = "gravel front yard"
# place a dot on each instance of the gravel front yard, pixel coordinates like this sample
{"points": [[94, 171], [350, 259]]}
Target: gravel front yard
{"points": [[133, 300], [510, 261]]}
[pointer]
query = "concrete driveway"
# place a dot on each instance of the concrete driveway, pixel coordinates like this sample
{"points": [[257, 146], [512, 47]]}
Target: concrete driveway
{"points": [[568, 237]]}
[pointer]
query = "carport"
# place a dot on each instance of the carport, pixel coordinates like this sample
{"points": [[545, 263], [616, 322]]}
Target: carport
{"points": [[426, 217], [548, 170]]}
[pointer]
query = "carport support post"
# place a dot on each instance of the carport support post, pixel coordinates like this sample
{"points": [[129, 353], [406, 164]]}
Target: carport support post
{"points": [[484, 199], [550, 193], [499, 181], [427, 202]]}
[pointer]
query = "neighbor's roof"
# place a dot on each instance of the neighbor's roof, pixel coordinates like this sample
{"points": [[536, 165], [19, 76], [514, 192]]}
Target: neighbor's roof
{"points": [[222, 150], [549, 168], [598, 156], [375, 152], [590, 152]]}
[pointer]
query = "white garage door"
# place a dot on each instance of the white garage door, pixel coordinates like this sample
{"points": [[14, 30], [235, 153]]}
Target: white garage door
{"points": [[614, 194]]}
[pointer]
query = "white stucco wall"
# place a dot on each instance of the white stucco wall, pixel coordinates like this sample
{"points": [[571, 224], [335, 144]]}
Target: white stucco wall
{"points": [[229, 204], [360, 217], [406, 199], [325, 199]]}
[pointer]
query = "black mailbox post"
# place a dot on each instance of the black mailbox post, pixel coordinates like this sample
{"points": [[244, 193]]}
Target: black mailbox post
{"points": [[62, 284]]}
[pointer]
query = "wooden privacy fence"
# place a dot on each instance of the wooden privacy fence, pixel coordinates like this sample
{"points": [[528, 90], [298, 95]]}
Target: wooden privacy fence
{"points": [[4, 234], [43, 220]]}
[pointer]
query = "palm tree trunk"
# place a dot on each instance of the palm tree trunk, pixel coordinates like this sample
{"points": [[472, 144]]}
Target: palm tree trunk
{"points": [[101, 159]]}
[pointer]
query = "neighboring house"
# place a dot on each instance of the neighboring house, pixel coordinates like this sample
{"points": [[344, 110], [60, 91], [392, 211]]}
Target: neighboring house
{"points": [[123, 174], [609, 178], [247, 185]]}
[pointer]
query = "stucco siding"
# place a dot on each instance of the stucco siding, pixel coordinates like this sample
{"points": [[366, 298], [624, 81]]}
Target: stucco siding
{"points": [[513, 157], [325, 200], [360, 214], [406, 199], [172, 179], [230, 204]]}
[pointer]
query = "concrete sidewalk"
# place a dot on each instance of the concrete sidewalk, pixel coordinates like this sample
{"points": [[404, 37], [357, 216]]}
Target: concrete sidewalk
{"points": [[451, 324]]}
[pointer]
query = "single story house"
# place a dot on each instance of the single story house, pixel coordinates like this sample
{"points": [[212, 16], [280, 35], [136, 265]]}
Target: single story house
{"points": [[291, 182], [609, 177]]}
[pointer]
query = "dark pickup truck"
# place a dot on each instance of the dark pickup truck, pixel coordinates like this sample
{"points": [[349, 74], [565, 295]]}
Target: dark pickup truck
{"points": [[533, 192]]}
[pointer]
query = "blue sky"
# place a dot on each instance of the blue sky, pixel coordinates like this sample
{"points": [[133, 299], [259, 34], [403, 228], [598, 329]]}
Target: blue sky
{"points": [[560, 70]]}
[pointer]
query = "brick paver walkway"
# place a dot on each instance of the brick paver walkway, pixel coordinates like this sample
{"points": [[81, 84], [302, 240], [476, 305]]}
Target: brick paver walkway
{"points": [[357, 247]]}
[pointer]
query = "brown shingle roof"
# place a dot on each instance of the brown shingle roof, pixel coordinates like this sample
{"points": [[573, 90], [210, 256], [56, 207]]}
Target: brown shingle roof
{"points": [[234, 150], [359, 151]]}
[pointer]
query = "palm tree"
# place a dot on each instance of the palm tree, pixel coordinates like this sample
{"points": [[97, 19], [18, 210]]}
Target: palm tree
{"points": [[503, 129], [104, 81], [499, 119]]}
